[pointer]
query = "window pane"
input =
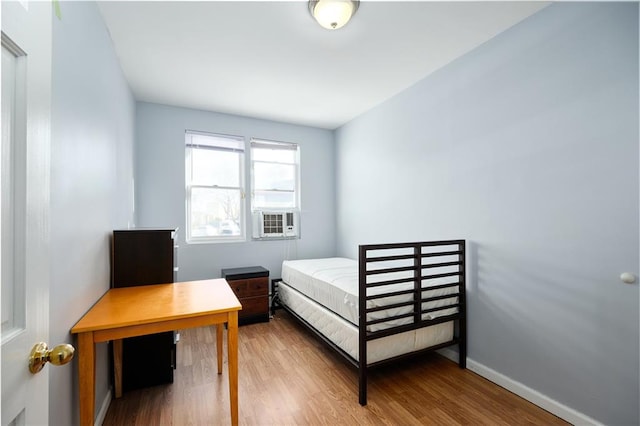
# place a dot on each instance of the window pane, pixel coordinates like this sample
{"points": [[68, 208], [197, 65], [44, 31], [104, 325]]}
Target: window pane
{"points": [[272, 199], [274, 173], [212, 167], [274, 176], [215, 212], [276, 155]]}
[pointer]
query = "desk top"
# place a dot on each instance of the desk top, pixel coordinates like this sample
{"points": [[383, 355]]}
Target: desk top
{"points": [[121, 307]]}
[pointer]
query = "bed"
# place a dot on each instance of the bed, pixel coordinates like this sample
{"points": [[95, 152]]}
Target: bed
{"points": [[415, 301]]}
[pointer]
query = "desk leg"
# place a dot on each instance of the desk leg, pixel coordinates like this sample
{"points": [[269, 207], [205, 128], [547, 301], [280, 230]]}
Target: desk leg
{"points": [[117, 366], [87, 377], [232, 349], [219, 346]]}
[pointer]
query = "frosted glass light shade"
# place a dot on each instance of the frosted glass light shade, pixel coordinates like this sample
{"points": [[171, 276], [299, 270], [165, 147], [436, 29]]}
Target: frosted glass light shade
{"points": [[333, 14]]}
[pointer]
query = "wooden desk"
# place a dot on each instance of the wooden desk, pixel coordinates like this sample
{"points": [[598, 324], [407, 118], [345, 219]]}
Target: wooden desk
{"points": [[135, 311]]}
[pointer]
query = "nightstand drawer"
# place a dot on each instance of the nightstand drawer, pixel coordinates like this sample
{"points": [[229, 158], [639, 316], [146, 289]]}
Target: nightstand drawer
{"points": [[254, 306], [250, 287]]}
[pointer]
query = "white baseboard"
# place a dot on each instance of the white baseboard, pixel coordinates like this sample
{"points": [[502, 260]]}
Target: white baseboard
{"points": [[103, 409], [569, 414]]}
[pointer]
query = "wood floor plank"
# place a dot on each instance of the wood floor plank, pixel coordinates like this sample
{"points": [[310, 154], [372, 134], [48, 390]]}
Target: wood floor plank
{"points": [[288, 377]]}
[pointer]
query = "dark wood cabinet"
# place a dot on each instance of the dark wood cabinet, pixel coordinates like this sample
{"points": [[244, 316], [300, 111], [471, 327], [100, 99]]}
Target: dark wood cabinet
{"points": [[251, 287], [145, 257]]}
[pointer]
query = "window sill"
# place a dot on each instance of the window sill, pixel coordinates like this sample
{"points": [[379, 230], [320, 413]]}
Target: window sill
{"points": [[216, 241]]}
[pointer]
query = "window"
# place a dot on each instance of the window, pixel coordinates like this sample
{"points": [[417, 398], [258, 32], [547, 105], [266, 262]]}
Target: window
{"points": [[214, 187], [275, 175]]}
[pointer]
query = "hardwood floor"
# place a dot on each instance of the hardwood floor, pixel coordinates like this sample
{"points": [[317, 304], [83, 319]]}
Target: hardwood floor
{"points": [[288, 377]]}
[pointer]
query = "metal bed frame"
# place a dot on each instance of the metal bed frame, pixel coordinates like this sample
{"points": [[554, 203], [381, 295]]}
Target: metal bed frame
{"points": [[424, 261]]}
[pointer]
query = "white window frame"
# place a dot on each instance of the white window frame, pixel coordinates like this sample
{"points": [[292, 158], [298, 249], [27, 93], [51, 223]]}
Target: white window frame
{"points": [[277, 145], [189, 186]]}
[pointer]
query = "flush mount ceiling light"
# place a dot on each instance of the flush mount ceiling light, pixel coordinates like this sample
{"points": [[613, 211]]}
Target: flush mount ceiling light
{"points": [[333, 14]]}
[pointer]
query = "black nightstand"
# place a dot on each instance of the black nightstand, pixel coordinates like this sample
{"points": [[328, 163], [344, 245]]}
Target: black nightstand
{"points": [[251, 286]]}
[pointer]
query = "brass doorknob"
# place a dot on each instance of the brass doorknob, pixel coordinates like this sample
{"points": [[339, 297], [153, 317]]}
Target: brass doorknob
{"points": [[40, 354]]}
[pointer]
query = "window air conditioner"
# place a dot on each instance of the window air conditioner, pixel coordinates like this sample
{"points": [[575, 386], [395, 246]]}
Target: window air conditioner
{"points": [[272, 224]]}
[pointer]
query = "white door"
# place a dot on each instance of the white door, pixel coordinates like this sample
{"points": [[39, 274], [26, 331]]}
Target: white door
{"points": [[24, 178]]}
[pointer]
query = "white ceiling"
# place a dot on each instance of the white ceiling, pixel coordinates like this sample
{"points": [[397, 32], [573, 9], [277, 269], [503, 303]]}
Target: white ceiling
{"points": [[271, 60]]}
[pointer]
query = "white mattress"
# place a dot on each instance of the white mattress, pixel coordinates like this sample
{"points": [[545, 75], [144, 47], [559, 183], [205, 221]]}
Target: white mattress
{"points": [[345, 334], [333, 283]]}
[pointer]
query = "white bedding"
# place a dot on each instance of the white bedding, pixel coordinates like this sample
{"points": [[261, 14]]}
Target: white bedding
{"points": [[333, 283], [345, 335]]}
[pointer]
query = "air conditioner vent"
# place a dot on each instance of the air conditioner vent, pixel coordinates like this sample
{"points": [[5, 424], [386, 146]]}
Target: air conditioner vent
{"points": [[271, 224]]}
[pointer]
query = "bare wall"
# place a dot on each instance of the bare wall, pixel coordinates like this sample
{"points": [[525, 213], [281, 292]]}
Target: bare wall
{"points": [[160, 187], [92, 139], [528, 148]]}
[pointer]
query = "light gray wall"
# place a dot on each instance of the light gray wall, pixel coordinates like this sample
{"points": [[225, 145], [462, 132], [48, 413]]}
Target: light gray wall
{"points": [[93, 115], [160, 187], [528, 148]]}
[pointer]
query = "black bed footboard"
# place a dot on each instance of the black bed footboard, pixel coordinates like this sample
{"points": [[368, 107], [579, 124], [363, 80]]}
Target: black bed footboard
{"points": [[407, 286]]}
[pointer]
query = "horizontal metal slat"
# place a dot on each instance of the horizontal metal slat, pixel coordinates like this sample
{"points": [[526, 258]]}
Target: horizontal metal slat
{"points": [[391, 270], [440, 265], [441, 253], [448, 274], [388, 258]]}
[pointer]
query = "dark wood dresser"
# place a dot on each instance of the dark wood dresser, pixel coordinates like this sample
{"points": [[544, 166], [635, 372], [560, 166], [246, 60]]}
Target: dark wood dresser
{"points": [[251, 286], [144, 257]]}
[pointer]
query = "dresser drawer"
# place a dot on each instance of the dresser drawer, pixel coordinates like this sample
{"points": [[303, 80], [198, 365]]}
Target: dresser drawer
{"points": [[254, 306], [250, 287]]}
